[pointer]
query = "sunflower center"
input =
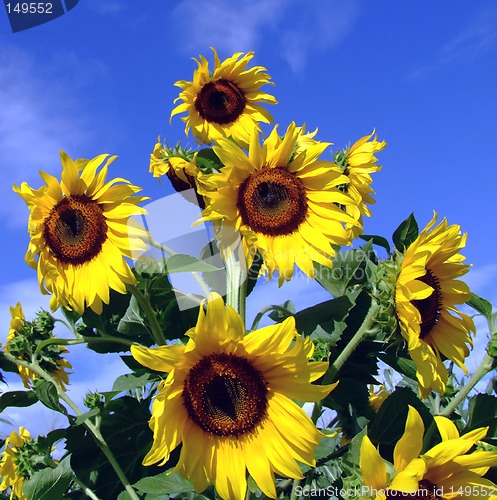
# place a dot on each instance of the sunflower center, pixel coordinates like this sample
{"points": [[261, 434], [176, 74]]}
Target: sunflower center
{"points": [[431, 307], [220, 102], [426, 491], [75, 230], [225, 395], [272, 201]]}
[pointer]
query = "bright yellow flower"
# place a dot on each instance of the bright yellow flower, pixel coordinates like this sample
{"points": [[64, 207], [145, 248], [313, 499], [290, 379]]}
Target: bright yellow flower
{"points": [[228, 400], [360, 163], [426, 296], [445, 471], [182, 173], [9, 472], [283, 201], [164, 163], [224, 103], [80, 232], [56, 369], [376, 398]]}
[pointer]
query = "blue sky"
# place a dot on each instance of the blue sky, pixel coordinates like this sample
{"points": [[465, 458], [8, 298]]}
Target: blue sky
{"points": [[100, 80]]}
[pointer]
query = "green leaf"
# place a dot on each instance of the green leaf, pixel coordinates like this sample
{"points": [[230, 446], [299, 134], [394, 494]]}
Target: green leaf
{"points": [[124, 426], [253, 273], [132, 381], [350, 267], [483, 413], [47, 394], [71, 316], [83, 418], [400, 364], [164, 483], [406, 233], [18, 399], [132, 322], [49, 484], [6, 365], [322, 314], [389, 423], [377, 240], [481, 305], [182, 263], [278, 315]]}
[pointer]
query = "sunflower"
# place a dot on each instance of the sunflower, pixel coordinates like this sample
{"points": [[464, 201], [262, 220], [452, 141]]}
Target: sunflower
{"points": [[227, 400], [52, 361], [10, 473], [179, 167], [284, 201], [80, 233], [426, 295], [445, 471], [359, 163], [224, 103], [377, 397]]}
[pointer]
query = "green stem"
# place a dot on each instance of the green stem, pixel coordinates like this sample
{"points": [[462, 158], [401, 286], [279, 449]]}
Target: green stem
{"points": [[88, 492], [359, 336], [144, 302], [201, 283], [265, 310], [485, 367], [295, 484], [102, 444], [335, 367], [236, 285], [82, 340]]}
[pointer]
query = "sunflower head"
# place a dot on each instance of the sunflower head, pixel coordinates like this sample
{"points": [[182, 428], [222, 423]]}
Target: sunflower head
{"points": [[284, 201], [224, 102], [20, 459], [179, 166], [358, 163], [439, 473], [228, 400], [23, 340], [427, 294], [80, 232]]}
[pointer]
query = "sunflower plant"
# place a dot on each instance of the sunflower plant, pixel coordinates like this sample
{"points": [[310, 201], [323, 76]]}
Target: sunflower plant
{"points": [[364, 395]]}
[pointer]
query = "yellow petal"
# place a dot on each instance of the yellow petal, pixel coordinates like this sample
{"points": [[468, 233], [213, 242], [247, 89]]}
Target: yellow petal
{"points": [[410, 444], [374, 471]]}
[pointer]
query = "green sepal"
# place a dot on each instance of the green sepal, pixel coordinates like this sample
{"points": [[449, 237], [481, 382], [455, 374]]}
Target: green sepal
{"points": [[405, 234], [207, 161]]}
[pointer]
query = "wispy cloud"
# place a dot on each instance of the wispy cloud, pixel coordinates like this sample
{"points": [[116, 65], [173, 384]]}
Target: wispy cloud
{"points": [[107, 7], [291, 27], [476, 38], [38, 117]]}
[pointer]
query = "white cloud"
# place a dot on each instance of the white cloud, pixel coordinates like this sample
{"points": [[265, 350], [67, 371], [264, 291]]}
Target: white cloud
{"points": [[294, 29], [38, 117]]}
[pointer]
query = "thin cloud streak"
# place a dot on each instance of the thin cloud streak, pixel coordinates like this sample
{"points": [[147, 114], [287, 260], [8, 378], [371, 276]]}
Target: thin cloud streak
{"points": [[292, 28], [478, 37], [37, 118]]}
